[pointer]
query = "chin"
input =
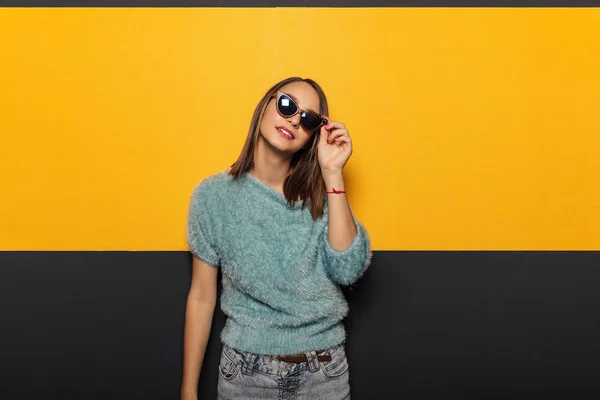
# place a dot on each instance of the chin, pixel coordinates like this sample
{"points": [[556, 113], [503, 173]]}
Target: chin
{"points": [[280, 144]]}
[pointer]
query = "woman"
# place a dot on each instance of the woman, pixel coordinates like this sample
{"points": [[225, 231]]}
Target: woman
{"points": [[279, 225]]}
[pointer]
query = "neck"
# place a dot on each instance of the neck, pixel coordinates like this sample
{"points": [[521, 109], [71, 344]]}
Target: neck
{"points": [[270, 166]]}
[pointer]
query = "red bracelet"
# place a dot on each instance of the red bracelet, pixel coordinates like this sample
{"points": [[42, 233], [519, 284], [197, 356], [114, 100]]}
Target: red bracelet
{"points": [[336, 191]]}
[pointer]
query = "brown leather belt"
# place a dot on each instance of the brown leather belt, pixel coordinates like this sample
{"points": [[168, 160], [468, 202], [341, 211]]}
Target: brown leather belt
{"points": [[300, 358]]}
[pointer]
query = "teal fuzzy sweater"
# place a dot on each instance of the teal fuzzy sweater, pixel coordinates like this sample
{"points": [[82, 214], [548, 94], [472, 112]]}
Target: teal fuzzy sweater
{"points": [[280, 275]]}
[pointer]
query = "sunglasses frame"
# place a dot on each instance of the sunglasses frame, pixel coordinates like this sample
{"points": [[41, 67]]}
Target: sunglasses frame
{"points": [[277, 96]]}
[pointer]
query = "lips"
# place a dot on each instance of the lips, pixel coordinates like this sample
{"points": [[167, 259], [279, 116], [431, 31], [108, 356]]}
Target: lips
{"points": [[285, 132]]}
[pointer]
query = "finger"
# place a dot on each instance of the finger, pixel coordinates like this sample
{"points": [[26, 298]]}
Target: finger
{"points": [[337, 133], [334, 125], [343, 139]]}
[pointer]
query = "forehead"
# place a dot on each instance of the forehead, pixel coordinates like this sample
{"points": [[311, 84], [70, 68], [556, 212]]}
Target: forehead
{"points": [[304, 94]]}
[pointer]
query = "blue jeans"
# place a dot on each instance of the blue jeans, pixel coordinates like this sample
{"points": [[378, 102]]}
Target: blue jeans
{"points": [[252, 376]]}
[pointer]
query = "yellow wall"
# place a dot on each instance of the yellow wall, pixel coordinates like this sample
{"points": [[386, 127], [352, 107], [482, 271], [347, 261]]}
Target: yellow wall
{"points": [[473, 128]]}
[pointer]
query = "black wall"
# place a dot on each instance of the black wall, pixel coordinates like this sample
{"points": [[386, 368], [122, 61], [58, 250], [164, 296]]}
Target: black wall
{"points": [[423, 325]]}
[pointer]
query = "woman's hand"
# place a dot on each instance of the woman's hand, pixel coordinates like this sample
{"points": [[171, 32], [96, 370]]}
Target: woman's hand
{"points": [[334, 148]]}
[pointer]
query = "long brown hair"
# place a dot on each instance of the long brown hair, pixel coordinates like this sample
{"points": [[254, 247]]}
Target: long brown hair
{"points": [[304, 181]]}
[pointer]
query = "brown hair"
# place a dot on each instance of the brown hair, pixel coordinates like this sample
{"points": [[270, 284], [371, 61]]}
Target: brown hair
{"points": [[304, 180]]}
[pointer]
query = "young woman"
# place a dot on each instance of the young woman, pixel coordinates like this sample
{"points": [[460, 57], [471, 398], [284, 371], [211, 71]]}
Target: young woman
{"points": [[279, 225]]}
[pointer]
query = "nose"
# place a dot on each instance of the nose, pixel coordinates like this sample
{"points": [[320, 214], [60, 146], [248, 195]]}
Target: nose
{"points": [[295, 120]]}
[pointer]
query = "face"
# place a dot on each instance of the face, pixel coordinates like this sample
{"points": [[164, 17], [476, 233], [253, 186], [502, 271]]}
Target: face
{"points": [[285, 133]]}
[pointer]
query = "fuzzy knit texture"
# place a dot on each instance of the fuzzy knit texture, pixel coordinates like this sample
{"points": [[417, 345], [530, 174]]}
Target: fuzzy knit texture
{"points": [[281, 278]]}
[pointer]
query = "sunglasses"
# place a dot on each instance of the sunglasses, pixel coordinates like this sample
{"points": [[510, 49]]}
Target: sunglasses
{"points": [[287, 107]]}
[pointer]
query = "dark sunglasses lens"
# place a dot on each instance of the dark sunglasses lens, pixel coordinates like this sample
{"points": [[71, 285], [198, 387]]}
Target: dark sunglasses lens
{"points": [[286, 106], [310, 121]]}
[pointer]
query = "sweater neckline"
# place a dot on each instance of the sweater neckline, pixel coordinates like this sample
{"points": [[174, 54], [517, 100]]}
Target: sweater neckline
{"points": [[270, 191]]}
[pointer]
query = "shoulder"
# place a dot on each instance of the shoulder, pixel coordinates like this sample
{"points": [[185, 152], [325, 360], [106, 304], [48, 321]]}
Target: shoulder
{"points": [[213, 185], [210, 195]]}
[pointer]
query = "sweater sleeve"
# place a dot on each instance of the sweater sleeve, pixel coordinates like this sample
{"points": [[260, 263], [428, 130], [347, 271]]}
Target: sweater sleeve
{"points": [[347, 266], [200, 232]]}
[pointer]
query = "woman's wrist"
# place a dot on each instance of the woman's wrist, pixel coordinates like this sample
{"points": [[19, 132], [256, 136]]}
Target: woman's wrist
{"points": [[333, 180], [188, 394]]}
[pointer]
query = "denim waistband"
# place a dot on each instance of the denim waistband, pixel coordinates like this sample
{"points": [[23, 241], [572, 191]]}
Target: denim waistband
{"points": [[268, 364]]}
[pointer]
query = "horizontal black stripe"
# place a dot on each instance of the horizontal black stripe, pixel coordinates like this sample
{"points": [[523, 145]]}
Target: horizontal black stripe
{"points": [[299, 3], [423, 325]]}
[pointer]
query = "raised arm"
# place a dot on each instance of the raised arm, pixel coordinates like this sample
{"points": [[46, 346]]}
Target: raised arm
{"points": [[346, 247]]}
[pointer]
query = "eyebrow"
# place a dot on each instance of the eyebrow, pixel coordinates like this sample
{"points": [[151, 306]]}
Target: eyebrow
{"points": [[296, 100], [291, 95]]}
